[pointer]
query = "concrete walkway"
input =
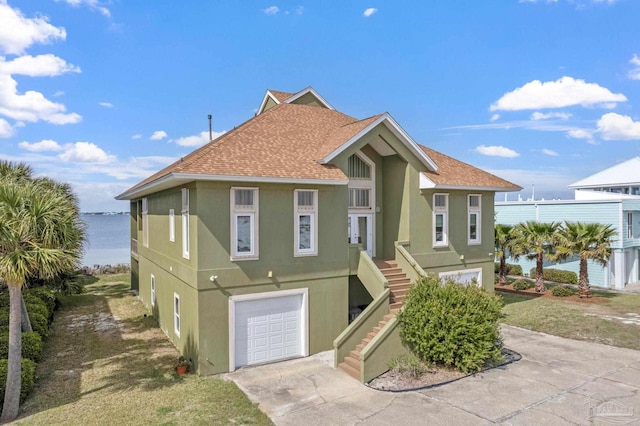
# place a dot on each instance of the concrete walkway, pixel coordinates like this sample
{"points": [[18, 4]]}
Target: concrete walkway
{"points": [[557, 382]]}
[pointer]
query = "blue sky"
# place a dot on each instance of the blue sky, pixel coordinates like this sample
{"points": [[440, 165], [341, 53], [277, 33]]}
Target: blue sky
{"points": [[102, 94]]}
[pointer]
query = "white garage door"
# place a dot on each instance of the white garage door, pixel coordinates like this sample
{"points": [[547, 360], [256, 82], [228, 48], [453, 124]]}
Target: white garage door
{"points": [[268, 329]]}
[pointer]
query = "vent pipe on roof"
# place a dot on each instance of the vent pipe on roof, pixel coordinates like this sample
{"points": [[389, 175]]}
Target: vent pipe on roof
{"points": [[210, 130]]}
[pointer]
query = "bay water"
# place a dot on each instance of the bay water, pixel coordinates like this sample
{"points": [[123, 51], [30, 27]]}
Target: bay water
{"points": [[108, 239]]}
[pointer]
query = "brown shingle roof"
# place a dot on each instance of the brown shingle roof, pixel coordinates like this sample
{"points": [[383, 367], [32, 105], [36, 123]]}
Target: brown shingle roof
{"points": [[454, 173], [281, 96]]}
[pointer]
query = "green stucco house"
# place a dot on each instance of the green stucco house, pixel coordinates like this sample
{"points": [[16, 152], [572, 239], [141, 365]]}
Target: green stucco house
{"points": [[300, 231]]}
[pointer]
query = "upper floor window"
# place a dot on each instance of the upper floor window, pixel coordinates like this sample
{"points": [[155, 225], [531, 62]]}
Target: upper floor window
{"points": [[361, 172], [358, 168], [244, 219], [172, 226], [145, 222], [440, 219], [306, 222], [629, 225], [185, 223], [474, 218]]}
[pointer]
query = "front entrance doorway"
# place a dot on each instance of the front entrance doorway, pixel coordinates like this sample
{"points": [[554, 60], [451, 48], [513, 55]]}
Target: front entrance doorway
{"points": [[361, 231]]}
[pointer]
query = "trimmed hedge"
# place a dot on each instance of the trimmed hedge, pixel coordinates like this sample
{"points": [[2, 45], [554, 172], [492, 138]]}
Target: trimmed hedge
{"points": [[28, 378], [557, 275], [451, 325], [32, 346], [563, 291], [512, 268], [46, 295], [40, 324], [522, 284]]}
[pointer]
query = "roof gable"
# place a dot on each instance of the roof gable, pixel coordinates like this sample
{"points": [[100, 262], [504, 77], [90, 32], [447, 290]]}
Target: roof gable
{"points": [[306, 96]]}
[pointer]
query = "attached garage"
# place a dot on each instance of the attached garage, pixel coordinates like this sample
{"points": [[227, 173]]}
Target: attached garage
{"points": [[267, 327]]}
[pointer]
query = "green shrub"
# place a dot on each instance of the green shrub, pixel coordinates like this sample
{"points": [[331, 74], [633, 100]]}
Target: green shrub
{"points": [[410, 365], [28, 378], [4, 316], [46, 295], [557, 275], [451, 324], [36, 308], [40, 325], [512, 268], [32, 346], [522, 284], [563, 291]]}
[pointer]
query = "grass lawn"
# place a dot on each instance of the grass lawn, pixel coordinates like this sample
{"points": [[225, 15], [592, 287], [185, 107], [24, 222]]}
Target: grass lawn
{"points": [[106, 363], [595, 322]]}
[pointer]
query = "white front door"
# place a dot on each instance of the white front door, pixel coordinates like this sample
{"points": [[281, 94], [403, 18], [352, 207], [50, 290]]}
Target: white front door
{"points": [[361, 231]]}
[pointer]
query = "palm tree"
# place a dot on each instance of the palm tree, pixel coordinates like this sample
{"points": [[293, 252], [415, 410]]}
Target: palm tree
{"points": [[589, 241], [505, 238], [41, 235], [536, 240]]}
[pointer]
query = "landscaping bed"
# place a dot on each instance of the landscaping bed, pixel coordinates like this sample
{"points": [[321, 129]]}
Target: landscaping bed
{"points": [[549, 295]]}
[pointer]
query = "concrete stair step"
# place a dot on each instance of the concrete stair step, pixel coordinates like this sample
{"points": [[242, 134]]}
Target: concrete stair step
{"points": [[349, 370], [352, 362]]}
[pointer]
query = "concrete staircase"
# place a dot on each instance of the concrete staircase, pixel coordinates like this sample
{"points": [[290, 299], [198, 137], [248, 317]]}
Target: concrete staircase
{"points": [[399, 285]]}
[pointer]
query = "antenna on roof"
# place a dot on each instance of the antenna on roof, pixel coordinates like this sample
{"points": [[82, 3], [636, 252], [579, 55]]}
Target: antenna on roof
{"points": [[210, 131]]}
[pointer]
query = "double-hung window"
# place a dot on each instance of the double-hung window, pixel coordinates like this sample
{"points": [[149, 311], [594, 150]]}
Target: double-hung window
{"points": [[185, 223], [474, 218], [145, 222], [306, 222], [244, 223], [176, 314], [172, 226], [440, 220]]}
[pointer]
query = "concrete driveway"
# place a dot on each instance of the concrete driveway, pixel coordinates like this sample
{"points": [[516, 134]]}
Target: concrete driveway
{"points": [[557, 382]]}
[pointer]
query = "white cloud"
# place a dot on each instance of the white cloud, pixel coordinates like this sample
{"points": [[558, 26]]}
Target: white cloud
{"points": [[158, 135], [136, 136], [6, 131], [85, 152], [634, 73], [37, 66], [43, 145], [549, 115], [197, 140], [272, 10], [612, 126], [370, 11], [550, 152], [497, 151], [17, 32], [580, 134], [495, 117], [58, 94], [561, 93], [106, 104], [92, 4]]}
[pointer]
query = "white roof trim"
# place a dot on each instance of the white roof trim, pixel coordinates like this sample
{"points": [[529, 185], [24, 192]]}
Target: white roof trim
{"points": [[266, 98], [397, 131], [311, 90], [175, 179], [426, 183]]}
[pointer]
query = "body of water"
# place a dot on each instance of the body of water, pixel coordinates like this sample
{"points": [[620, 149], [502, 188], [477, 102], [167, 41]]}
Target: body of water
{"points": [[108, 240]]}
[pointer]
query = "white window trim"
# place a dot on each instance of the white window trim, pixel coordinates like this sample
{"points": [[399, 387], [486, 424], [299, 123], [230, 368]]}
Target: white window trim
{"points": [[478, 212], [145, 222], [445, 222], [153, 290], [313, 212], [443, 275], [629, 225], [360, 183], [268, 295], [172, 226], [185, 223], [177, 319], [253, 213]]}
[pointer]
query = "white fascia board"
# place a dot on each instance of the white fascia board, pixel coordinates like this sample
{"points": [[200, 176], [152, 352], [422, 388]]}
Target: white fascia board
{"points": [[311, 90], [426, 183], [266, 98], [175, 179], [397, 131]]}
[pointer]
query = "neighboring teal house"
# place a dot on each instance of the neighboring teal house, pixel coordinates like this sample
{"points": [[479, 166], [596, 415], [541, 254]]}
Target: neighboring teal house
{"points": [[299, 231], [611, 197]]}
